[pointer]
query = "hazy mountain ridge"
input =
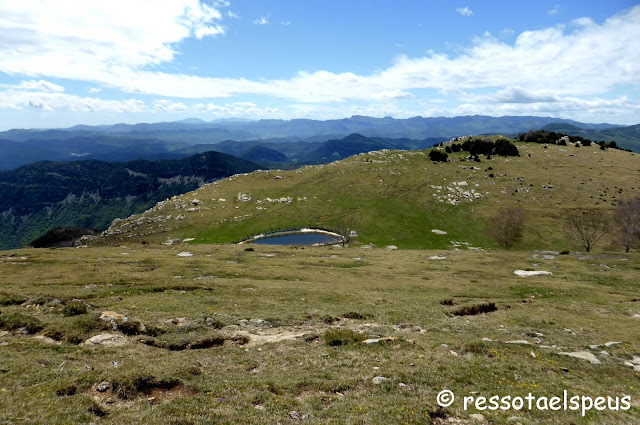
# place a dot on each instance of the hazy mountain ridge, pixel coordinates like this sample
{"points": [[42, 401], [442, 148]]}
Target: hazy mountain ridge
{"points": [[121, 142]]}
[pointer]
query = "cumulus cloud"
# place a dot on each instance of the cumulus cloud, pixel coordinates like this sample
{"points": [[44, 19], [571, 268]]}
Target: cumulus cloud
{"points": [[554, 10], [169, 106], [285, 23], [94, 90], [41, 85], [71, 40], [464, 11], [263, 20], [57, 101]]}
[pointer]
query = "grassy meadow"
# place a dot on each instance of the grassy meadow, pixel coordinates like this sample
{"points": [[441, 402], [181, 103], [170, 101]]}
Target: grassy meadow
{"points": [[255, 334], [236, 336]]}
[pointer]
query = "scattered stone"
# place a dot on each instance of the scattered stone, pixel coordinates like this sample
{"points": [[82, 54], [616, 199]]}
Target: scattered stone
{"points": [[184, 254], [518, 341], [478, 418], [485, 339], [391, 247], [108, 316], [526, 273], [584, 355], [437, 257], [453, 353], [106, 339], [295, 415], [532, 354], [438, 232], [609, 344], [375, 340], [103, 386], [188, 239], [637, 316], [3, 333], [379, 380], [402, 385], [259, 407], [46, 339]]}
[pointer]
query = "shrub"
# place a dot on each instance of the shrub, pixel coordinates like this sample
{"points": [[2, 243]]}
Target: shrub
{"points": [[438, 156], [357, 315], [6, 300], [447, 301], [503, 147]]}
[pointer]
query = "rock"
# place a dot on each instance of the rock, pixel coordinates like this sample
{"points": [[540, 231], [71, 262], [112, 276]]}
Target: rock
{"points": [[46, 339], [108, 316], [478, 418], [3, 333], [437, 257], [375, 340], [532, 354], [453, 353], [295, 415], [391, 247], [526, 273], [637, 316], [103, 386], [379, 380], [609, 344], [635, 361], [518, 341], [438, 232], [402, 385], [106, 339], [184, 254], [584, 355]]}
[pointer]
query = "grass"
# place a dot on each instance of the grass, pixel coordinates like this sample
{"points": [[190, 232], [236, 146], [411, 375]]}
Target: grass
{"points": [[238, 335], [392, 199], [248, 346]]}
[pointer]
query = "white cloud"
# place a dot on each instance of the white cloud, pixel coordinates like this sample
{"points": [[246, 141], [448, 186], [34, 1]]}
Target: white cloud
{"points": [[554, 10], [41, 85], [37, 104], [94, 90], [49, 101], [285, 23], [169, 106], [71, 40], [232, 15], [263, 20], [464, 11]]}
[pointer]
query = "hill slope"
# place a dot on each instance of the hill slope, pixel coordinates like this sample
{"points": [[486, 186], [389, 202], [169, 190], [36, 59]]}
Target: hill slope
{"points": [[627, 137], [399, 197], [42, 196]]}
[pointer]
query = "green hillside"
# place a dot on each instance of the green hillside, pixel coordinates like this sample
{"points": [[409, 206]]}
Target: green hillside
{"points": [[399, 197]]}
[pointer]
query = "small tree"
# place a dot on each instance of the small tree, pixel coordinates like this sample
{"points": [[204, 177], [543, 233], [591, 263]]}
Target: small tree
{"points": [[586, 227], [626, 220], [507, 225]]}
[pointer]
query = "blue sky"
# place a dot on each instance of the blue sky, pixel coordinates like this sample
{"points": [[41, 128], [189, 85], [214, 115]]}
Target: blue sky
{"points": [[90, 62]]}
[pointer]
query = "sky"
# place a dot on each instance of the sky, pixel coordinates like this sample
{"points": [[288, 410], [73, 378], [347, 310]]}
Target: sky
{"points": [[67, 62]]}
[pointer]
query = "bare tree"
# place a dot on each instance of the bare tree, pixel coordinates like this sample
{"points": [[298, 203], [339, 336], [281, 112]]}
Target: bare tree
{"points": [[586, 227], [626, 220], [346, 228], [507, 225]]}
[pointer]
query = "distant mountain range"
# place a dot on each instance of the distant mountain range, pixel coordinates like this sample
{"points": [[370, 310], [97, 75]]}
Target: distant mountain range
{"points": [[123, 142], [46, 195]]}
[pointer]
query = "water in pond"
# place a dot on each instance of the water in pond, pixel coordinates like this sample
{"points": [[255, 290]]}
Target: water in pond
{"points": [[307, 238]]}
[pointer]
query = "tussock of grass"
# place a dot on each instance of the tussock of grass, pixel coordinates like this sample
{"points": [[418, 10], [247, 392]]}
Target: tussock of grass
{"points": [[357, 315], [472, 310], [7, 300], [14, 321], [447, 301], [336, 337], [75, 308]]}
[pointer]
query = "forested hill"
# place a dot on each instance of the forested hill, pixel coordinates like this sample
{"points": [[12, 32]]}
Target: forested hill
{"points": [[45, 195]]}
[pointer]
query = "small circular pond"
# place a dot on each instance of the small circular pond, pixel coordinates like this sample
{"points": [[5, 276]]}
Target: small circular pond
{"points": [[297, 237]]}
